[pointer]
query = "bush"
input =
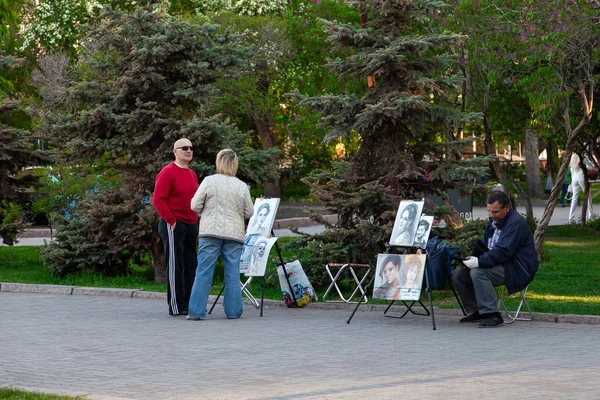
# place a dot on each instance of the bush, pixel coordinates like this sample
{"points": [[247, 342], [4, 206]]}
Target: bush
{"points": [[594, 223], [10, 222], [74, 251]]}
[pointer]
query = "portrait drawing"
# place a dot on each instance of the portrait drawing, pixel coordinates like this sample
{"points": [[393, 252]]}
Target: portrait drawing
{"points": [[405, 226], [423, 229], [387, 277], [260, 256], [261, 222]]}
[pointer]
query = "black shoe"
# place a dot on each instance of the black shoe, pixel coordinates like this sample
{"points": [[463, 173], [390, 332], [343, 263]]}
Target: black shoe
{"points": [[474, 317], [493, 321]]}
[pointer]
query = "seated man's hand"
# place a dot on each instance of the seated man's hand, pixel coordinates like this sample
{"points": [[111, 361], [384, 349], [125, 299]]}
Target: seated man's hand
{"points": [[471, 262]]}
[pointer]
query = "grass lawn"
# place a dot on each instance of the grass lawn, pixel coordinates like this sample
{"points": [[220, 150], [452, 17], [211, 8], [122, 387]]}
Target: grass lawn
{"points": [[568, 281], [14, 394]]}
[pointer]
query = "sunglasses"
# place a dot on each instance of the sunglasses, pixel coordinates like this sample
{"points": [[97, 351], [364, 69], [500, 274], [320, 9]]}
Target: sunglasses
{"points": [[186, 148]]}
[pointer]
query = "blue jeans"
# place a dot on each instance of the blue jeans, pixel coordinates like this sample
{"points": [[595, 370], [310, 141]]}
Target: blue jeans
{"points": [[209, 249]]}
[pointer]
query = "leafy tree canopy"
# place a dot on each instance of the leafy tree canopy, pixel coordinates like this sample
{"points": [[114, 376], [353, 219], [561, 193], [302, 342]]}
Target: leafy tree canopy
{"points": [[399, 121]]}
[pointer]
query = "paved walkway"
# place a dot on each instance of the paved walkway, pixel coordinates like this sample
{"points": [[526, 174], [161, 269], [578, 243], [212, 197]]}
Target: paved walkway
{"points": [[124, 348], [559, 217]]}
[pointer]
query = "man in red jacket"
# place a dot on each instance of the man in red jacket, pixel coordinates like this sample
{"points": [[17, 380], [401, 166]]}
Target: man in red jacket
{"points": [[174, 188]]}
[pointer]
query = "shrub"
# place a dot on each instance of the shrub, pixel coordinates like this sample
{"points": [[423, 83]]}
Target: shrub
{"points": [[74, 251]]}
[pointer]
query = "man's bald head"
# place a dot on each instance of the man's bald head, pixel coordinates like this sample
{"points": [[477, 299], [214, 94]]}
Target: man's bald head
{"points": [[182, 142], [183, 151]]}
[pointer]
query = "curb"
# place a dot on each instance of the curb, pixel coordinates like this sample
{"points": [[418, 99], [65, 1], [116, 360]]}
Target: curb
{"points": [[6, 287]]}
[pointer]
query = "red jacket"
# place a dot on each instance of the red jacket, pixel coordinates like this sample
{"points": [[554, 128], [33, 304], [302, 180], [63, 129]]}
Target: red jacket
{"points": [[173, 191]]}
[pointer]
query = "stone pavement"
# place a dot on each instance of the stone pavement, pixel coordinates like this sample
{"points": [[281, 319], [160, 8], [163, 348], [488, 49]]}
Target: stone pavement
{"points": [[128, 348]]}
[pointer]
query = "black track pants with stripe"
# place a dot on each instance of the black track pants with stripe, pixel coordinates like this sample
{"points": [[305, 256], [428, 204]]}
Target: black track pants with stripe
{"points": [[181, 251]]}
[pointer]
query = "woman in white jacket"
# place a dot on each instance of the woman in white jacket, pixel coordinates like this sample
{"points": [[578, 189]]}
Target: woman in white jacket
{"points": [[577, 184], [224, 202]]}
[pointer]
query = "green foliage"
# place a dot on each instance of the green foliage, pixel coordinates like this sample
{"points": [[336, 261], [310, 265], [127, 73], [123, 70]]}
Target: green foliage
{"points": [[9, 14], [17, 151], [594, 223], [242, 7], [465, 236], [105, 233], [400, 122], [307, 72], [74, 250], [63, 187], [15, 394], [10, 221], [56, 25], [143, 81]]}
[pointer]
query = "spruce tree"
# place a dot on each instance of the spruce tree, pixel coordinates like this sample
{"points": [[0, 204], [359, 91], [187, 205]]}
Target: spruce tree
{"points": [[401, 120], [145, 80], [17, 151]]}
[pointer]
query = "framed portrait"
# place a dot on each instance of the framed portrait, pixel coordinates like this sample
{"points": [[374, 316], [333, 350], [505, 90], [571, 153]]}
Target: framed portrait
{"points": [[411, 277], [387, 276], [261, 222], [407, 220], [260, 256], [246, 257], [423, 230]]}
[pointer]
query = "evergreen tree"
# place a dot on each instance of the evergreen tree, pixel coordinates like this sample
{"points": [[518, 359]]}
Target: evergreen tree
{"points": [[145, 80], [401, 122], [17, 151]]}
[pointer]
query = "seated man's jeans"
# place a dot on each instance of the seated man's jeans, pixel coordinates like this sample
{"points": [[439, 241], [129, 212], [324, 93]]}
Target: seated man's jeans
{"points": [[476, 287]]}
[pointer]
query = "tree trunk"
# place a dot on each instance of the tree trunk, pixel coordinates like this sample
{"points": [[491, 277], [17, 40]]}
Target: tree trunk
{"points": [[159, 260], [491, 150], [524, 196], [265, 128], [532, 166], [572, 134], [542, 227]]}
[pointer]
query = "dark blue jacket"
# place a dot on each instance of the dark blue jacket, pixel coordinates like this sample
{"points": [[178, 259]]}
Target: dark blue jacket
{"points": [[515, 249]]}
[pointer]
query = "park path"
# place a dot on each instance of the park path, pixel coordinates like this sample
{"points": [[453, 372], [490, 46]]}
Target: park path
{"points": [[127, 348], [559, 217]]}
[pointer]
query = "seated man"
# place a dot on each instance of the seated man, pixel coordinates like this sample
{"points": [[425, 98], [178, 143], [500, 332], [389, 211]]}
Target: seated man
{"points": [[511, 260]]}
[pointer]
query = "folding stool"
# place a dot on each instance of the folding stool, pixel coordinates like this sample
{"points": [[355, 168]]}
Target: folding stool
{"points": [[512, 317], [334, 280]]}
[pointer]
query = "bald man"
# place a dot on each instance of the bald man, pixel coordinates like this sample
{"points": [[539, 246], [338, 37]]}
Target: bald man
{"points": [[174, 188]]}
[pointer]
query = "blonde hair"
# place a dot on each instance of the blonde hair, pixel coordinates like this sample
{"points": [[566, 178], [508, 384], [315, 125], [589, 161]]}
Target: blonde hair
{"points": [[227, 162]]}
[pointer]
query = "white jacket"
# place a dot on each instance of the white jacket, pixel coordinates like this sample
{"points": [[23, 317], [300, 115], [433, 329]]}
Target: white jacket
{"points": [[224, 202]]}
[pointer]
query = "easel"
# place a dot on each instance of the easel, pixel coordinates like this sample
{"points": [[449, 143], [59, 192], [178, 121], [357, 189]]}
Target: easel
{"points": [[409, 307], [249, 295]]}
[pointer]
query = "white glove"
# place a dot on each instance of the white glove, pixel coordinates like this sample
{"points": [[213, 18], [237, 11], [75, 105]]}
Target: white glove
{"points": [[471, 262]]}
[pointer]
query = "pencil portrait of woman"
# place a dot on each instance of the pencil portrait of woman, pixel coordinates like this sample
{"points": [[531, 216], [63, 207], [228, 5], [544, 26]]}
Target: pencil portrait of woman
{"points": [[388, 273], [406, 224]]}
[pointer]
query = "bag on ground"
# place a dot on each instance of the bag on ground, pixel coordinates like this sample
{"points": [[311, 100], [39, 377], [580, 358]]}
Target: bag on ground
{"points": [[301, 292]]}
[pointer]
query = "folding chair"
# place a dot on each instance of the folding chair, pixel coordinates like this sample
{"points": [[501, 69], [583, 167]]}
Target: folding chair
{"points": [[358, 282], [514, 316]]}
